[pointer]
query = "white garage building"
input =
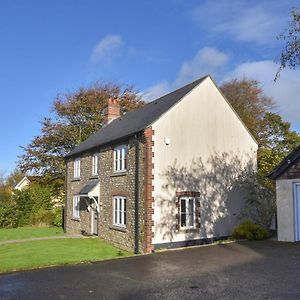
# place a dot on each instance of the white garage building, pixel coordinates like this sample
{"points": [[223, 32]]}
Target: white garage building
{"points": [[287, 176]]}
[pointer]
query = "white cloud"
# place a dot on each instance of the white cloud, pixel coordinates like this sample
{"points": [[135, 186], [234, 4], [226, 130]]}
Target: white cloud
{"points": [[243, 20], [107, 49], [206, 61], [156, 91], [285, 92]]}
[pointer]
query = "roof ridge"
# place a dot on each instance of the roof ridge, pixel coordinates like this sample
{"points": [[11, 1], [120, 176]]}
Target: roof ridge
{"points": [[174, 91], [136, 120], [163, 96]]}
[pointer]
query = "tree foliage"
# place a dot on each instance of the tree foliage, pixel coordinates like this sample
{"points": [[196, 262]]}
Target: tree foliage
{"points": [[277, 140], [290, 55], [249, 101], [75, 117], [273, 134], [260, 200]]}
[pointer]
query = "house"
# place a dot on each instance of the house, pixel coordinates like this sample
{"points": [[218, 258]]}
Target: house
{"points": [[22, 184], [161, 176], [287, 176]]}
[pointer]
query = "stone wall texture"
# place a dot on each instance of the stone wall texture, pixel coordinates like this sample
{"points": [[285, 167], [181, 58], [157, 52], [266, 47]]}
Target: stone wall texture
{"points": [[111, 184], [293, 172]]}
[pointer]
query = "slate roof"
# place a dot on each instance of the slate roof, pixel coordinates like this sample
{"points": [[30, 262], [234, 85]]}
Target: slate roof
{"points": [[88, 187], [285, 164], [135, 121]]}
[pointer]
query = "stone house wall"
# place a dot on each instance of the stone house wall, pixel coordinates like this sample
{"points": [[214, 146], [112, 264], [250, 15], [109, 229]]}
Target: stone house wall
{"points": [[73, 225], [111, 184]]}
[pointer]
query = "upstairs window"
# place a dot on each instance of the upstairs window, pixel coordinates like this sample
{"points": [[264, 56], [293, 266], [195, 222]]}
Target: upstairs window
{"points": [[95, 164], [77, 168], [187, 212], [120, 158], [119, 211]]}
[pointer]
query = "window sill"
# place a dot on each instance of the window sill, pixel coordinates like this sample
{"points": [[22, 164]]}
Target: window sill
{"points": [[75, 219], [118, 228], [187, 230], [116, 174], [94, 177], [76, 179]]}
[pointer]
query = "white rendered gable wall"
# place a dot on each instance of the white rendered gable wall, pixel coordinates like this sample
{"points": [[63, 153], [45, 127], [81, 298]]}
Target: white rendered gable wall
{"points": [[201, 126]]}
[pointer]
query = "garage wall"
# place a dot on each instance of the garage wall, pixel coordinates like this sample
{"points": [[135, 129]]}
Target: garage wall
{"points": [[285, 209]]}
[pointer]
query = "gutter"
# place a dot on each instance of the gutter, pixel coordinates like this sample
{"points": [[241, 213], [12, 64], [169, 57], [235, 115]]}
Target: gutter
{"points": [[136, 194]]}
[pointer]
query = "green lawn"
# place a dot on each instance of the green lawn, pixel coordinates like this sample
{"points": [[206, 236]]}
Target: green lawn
{"points": [[35, 254], [29, 232]]}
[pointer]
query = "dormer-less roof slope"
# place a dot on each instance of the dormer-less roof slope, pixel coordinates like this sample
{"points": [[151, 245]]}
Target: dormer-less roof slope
{"points": [[135, 121], [285, 164]]}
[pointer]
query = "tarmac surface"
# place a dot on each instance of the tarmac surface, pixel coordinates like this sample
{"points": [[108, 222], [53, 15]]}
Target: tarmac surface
{"points": [[244, 270]]}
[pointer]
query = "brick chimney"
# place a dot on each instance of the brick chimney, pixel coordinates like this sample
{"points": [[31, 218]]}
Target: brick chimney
{"points": [[112, 111]]}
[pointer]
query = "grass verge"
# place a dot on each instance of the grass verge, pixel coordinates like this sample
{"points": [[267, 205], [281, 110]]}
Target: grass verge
{"points": [[29, 232], [36, 254]]}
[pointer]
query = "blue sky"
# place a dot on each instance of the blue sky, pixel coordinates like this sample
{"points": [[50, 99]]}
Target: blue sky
{"points": [[51, 47]]}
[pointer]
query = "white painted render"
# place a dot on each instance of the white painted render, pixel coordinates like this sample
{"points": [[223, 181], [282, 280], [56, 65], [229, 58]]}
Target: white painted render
{"points": [[285, 209], [199, 145], [23, 183]]}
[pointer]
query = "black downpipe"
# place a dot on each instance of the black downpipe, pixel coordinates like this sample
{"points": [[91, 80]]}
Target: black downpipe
{"points": [[64, 212], [137, 194]]}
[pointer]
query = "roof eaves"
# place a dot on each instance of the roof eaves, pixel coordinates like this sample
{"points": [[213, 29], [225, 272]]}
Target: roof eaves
{"points": [[285, 163], [114, 141]]}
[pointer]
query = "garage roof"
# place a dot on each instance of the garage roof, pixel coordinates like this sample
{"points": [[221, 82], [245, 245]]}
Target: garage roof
{"points": [[285, 164]]}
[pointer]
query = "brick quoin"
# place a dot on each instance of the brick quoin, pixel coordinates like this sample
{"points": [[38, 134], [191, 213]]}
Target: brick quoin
{"points": [[149, 211]]}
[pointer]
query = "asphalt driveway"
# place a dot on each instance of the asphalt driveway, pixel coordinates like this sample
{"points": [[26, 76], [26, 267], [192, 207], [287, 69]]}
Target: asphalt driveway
{"points": [[246, 270]]}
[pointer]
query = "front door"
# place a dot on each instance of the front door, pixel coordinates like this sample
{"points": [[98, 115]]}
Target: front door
{"points": [[94, 217], [297, 212]]}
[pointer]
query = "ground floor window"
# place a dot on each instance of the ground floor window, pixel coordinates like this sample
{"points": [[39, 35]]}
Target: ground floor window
{"points": [[187, 212], [119, 211], [76, 200]]}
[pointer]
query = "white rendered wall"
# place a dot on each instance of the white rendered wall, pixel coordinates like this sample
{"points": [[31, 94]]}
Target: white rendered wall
{"points": [[285, 209], [208, 147]]}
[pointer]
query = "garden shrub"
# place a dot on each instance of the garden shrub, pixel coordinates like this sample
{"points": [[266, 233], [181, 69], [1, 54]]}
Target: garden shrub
{"points": [[24, 205], [31, 202], [58, 217], [42, 217], [250, 231], [260, 201], [8, 215], [41, 197]]}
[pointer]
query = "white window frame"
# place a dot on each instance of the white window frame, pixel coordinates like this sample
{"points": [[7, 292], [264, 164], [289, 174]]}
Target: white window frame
{"points": [[77, 164], [120, 158], [95, 165], [187, 212], [119, 211], [76, 207]]}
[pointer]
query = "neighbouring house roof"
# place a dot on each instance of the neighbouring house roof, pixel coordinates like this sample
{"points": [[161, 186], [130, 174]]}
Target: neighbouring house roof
{"points": [[285, 163], [135, 121], [22, 183]]}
